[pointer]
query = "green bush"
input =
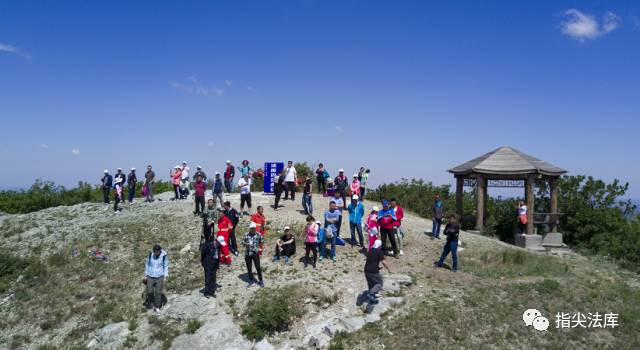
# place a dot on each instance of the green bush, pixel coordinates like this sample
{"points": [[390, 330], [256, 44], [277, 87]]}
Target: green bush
{"points": [[193, 326], [12, 266], [272, 310]]}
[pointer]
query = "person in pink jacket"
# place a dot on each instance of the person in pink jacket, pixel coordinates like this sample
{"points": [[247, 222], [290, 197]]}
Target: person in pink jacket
{"points": [[311, 241], [355, 185], [371, 226], [175, 180]]}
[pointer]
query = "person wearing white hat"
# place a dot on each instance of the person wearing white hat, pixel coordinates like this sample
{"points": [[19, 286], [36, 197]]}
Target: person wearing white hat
{"points": [[252, 242], [199, 172], [132, 180], [285, 246], [184, 177], [356, 212], [371, 226], [341, 184], [175, 181], [375, 257], [107, 183], [229, 173], [217, 189]]}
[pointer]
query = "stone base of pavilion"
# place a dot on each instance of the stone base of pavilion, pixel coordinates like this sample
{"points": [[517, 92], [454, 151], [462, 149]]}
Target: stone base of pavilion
{"points": [[553, 240], [531, 242]]}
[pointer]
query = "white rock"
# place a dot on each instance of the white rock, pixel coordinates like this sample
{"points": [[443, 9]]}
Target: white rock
{"points": [[263, 345], [186, 248], [111, 336]]}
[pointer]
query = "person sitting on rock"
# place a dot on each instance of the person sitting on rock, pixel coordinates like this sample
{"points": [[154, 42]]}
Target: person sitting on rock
{"points": [[452, 231], [156, 271], [285, 246], [375, 257]]}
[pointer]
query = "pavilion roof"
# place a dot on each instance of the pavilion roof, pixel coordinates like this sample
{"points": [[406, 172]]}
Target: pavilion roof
{"points": [[507, 161]]}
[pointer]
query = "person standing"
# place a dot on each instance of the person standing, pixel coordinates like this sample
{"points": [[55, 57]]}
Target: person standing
{"points": [[339, 206], [200, 172], [285, 246], [175, 181], [261, 222], [156, 271], [209, 219], [149, 181], [371, 227], [244, 186], [132, 180], [397, 224], [277, 189], [363, 183], [311, 240], [210, 260], [375, 257], [355, 186], [522, 217], [217, 189], [225, 226], [245, 169], [229, 173], [356, 212], [107, 183], [199, 187], [233, 216], [438, 213], [341, 184], [119, 181], [386, 217], [331, 217], [252, 241], [184, 176], [322, 181], [307, 205], [290, 178], [452, 231]]}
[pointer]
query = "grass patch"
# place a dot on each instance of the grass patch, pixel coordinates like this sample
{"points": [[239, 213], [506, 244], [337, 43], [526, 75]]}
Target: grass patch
{"points": [[164, 331], [514, 263], [193, 326], [12, 266], [272, 310]]}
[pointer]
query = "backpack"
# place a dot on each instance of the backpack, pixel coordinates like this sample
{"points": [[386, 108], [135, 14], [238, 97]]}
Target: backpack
{"points": [[164, 258], [321, 233]]}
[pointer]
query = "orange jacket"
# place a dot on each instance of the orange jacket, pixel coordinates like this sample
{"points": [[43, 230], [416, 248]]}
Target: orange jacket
{"points": [[261, 223]]}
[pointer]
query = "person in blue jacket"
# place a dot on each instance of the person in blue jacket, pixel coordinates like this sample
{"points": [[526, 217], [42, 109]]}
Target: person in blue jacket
{"points": [[356, 212]]}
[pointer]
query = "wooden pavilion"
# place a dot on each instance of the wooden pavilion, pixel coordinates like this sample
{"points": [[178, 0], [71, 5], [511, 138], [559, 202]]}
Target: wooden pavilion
{"points": [[507, 167]]}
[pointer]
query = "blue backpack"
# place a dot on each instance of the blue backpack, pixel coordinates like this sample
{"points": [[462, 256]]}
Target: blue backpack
{"points": [[321, 232]]}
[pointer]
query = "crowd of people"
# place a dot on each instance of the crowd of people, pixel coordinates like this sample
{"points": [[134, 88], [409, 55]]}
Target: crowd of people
{"points": [[378, 233]]}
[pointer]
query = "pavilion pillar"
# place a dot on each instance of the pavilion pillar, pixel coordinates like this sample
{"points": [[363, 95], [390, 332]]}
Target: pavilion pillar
{"points": [[529, 185], [486, 195], [553, 190], [459, 197], [481, 191]]}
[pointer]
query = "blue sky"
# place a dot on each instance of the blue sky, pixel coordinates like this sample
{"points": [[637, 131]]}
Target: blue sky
{"points": [[407, 88]]}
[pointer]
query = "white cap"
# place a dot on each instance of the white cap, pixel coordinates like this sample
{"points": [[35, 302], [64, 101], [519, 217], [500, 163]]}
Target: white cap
{"points": [[217, 173], [106, 171], [377, 244], [198, 167], [355, 175], [221, 241], [375, 208], [184, 162], [252, 225], [355, 197], [133, 169], [286, 228], [341, 171], [228, 162], [176, 167], [120, 169]]}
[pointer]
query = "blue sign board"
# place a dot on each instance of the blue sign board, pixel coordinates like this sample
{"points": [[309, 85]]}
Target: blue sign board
{"points": [[271, 171]]}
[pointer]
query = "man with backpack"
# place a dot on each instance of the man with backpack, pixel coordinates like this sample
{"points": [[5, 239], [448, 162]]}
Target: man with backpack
{"points": [[229, 173], [199, 172], [132, 180], [107, 183], [156, 271], [210, 260], [233, 216]]}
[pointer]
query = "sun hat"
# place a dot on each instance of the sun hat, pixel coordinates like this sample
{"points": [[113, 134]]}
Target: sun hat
{"points": [[375, 208], [286, 228], [252, 225], [341, 171], [355, 197]]}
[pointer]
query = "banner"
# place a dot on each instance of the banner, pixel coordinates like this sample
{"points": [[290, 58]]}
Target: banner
{"points": [[271, 171]]}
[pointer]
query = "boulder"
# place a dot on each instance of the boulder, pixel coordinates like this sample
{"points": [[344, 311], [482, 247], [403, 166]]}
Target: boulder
{"points": [[263, 345], [111, 336]]}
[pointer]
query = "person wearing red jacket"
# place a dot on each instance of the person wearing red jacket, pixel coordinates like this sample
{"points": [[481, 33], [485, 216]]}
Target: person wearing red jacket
{"points": [[200, 187], [397, 224], [261, 222], [386, 218], [224, 226]]}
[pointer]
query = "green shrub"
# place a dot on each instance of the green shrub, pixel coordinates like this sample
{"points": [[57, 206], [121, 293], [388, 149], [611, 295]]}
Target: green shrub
{"points": [[272, 310], [12, 266], [547, 286], [193, 326]]}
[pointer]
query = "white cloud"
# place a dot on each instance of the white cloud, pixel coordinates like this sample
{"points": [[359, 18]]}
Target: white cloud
{"points": [[339, 128], [75, 151], [581, 26], [14, 50], [194, 87], [43, 146]]}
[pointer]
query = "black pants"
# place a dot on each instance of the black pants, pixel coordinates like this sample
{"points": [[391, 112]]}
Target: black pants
{"points": [[227, 184], [245, 198], [286, 250], [322, 184], [116, 202], [176, 191], [199, 204], [256, 261], [289, 186], [278, 194], [374, 282], [344, 198], [362, 191], [210, 273], [522, 227], [388, 233], [105, 194], [311, 247], [232, 240]]}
